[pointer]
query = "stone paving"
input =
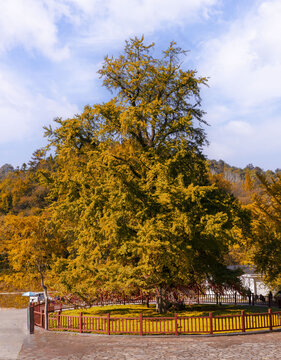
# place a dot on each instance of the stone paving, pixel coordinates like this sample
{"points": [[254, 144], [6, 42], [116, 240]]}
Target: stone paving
{"points": [[12, 332], [61, 346], [16, 343]]}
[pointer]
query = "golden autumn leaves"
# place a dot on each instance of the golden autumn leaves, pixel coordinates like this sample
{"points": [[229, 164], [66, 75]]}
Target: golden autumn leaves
{"points": [[129, 207]]}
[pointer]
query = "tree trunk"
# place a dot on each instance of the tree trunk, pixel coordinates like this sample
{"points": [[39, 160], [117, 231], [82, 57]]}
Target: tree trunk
{"points": [[162, 301], [147, 302], [45, 297], [159, 302], [46, 307]]}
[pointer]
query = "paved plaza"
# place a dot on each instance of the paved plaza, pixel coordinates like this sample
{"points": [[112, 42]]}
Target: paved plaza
{"points": [[15, 343], [12, 332], [47, 346]]}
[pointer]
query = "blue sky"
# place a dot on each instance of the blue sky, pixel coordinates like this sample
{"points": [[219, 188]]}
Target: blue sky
{"points": [[50, 51]]}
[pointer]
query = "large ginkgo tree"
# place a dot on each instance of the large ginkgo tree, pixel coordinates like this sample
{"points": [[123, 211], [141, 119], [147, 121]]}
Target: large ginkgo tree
{"points": [[131, 190]]}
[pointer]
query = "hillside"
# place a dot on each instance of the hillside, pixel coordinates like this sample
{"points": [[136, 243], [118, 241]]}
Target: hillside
{"points": [[242, 181]]}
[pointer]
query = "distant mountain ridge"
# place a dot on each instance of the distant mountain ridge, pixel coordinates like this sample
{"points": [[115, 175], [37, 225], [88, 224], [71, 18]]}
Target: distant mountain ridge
{"points": [[243, 182], [5, 170], [236, 174]]}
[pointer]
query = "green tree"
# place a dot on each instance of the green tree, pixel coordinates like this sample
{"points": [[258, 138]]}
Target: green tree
{"points": [[133, 193]]}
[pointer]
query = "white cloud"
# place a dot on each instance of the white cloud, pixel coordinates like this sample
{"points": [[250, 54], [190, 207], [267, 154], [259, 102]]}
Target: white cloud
{"points": [[245, 63], [117, 20], [23, 113], [30, 24], [86, 6], [36, 24], [240, 144], [244, 66], [240, 128], [216, 113]]}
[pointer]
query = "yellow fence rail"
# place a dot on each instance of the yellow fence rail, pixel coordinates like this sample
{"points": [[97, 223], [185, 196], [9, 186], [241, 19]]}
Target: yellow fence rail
{"points": [[175, 325]]}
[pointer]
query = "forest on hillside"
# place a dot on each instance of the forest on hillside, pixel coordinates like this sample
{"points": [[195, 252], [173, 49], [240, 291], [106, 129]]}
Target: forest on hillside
{"points": [[244, 182], [122, 200], [23, 193]]}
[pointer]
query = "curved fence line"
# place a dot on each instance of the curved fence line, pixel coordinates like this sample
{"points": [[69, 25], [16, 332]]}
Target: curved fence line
{"points": [[163, 325]]}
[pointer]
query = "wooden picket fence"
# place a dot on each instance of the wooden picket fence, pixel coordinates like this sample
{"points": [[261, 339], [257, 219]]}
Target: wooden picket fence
{"points": [[163, 325], [39, 313]]}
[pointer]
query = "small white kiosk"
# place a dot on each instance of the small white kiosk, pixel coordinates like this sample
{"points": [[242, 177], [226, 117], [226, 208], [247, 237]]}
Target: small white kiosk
{"points": [[34, 297]]}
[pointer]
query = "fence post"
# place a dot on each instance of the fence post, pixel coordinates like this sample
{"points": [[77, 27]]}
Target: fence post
{"points": [[243, 320], [30, 319], [81, 323], [211, 323], [58, 319], [176, 324], [270, 319], [108, 324], [141, 325], [41, 317]]}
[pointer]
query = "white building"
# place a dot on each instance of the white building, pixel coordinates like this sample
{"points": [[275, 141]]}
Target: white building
{"points": [[252, 280]]}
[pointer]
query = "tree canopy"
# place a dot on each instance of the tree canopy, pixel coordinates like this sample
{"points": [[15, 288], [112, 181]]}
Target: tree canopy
{"points": [[266, 228], [127, 204], [133, 192]]}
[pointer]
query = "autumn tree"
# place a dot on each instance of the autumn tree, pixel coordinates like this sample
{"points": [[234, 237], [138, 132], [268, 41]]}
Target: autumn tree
{"points": [[132, 191], [31, 244], [266, 239], [22, 191]]}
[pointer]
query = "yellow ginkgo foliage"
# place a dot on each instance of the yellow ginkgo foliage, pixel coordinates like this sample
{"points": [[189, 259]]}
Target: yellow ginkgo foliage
{"points": [[137, 210]]}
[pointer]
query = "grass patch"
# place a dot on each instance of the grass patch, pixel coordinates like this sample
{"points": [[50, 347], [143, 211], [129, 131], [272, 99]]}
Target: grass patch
{"points": [[194, 310]]}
